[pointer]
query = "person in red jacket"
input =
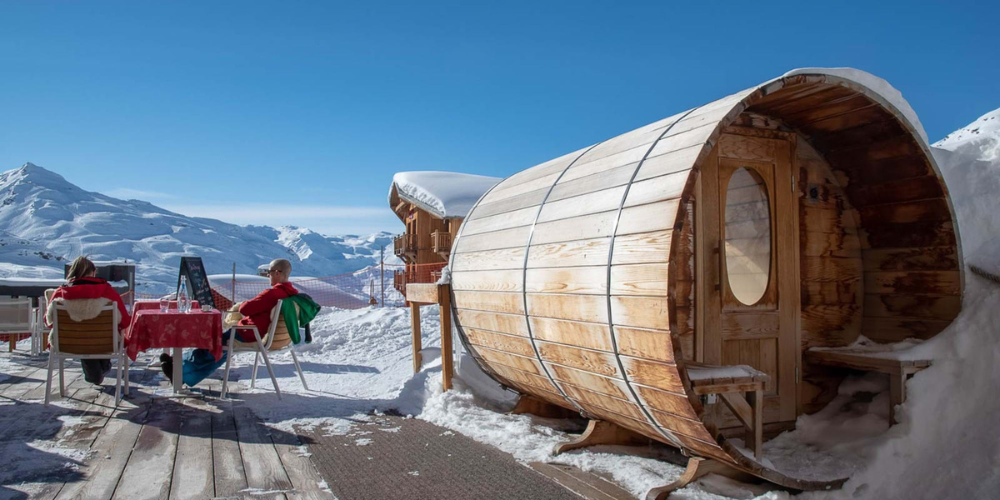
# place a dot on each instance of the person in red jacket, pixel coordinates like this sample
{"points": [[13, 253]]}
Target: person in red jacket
{"points": [[82, 283], [200, 363]]}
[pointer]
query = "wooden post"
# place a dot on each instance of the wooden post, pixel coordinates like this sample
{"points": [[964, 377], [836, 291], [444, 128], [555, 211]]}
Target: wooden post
{"points": [[415, 325], [755, 434], [897, 392], [444, 305]]}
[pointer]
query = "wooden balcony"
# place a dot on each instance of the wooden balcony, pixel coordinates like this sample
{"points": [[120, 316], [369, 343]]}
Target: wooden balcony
{"points": [[399, 281], [405, 246], [441, 243]]}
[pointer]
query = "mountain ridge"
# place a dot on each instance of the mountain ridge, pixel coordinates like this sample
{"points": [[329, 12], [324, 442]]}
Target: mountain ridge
{"points": [[47, 220]]}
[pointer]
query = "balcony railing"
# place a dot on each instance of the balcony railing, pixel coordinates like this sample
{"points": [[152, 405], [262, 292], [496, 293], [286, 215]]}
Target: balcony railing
{"points": [[405, 245], [419, 273], [441, 242]]}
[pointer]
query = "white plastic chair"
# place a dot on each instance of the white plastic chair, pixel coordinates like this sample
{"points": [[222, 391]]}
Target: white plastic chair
{"points": [[40, 332], [95, 338], [16, 316], [275, 339]]}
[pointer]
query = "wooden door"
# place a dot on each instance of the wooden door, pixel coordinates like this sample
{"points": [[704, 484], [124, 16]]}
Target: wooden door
{"points": [[750, 254]]}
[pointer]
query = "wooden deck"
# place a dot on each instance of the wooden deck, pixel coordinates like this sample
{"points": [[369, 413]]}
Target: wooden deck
{"points": [[148, 448]]}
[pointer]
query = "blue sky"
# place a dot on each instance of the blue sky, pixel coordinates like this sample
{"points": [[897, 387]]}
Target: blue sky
{"points": [[300, 112]]}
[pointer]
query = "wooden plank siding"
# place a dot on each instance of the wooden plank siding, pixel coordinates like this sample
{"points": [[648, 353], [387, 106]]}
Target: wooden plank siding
{"points": [[577, 280], [830, 255]]}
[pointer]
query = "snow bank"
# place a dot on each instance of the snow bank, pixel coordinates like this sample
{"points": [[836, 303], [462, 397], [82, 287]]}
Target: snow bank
{"points": [[444, 194]]}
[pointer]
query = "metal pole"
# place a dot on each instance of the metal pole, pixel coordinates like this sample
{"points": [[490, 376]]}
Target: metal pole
{"points": [[381, 266], [233, 290]]}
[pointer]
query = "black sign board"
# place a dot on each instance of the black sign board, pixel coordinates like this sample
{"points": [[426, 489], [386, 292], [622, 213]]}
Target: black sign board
{"points": [[198, 287]]}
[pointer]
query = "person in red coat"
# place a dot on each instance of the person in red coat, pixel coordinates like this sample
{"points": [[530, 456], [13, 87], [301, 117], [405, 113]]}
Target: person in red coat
{"points": [[82, 283], [200, 363]]}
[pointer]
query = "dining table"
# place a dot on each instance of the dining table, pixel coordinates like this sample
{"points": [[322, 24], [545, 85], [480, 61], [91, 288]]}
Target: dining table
{"points": [[153, 329]]}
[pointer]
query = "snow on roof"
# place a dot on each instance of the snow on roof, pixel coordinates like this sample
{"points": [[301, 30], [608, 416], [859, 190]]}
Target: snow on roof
{"points": [[445, 194], [32, 282], [875, 84]]}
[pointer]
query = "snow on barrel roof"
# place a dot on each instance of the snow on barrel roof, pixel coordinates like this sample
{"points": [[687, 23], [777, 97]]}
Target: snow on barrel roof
{"points": [[447, 195]]}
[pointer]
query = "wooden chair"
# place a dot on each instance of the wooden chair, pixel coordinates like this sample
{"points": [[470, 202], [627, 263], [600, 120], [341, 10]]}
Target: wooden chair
{"points": [[275, 339], [95, 338], [16, 317]]}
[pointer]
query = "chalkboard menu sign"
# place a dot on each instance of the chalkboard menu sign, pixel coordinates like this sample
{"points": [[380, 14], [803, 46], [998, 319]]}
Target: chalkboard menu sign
{"points": [[198, 287]]}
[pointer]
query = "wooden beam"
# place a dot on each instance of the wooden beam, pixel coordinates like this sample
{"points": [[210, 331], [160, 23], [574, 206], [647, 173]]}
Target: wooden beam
{"points": [[697, 467], [739, 406], [602, 432], [447, 363], [415, 326], [422, 293], [755, 431], [535, 406], [897, 392]]}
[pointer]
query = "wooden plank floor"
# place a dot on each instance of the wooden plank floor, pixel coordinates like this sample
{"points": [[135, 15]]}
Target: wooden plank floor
{"points": [[82, 447]]}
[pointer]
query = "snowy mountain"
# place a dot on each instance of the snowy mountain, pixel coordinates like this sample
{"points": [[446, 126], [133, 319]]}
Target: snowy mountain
{"points": [[47, 220]]}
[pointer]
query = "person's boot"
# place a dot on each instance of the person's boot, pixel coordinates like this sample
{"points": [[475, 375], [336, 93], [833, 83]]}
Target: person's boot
{"points": [[167, 365], [93, 371]]}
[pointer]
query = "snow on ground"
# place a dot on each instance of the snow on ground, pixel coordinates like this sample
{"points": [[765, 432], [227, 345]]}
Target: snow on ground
{"points": [[360, 363]]}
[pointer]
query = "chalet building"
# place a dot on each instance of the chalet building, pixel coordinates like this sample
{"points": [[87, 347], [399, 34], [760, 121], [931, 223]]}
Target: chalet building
{"points": [[432, 206]]}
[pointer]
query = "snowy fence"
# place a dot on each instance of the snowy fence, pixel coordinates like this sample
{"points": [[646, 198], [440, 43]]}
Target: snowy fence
{"points": [[374, 285]]}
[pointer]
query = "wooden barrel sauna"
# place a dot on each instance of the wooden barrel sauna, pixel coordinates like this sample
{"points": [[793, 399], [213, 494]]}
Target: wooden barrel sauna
{"points": [[803, 212]]}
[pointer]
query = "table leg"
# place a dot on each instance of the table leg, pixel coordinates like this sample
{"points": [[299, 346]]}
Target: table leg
{"points": [[178, 369]]}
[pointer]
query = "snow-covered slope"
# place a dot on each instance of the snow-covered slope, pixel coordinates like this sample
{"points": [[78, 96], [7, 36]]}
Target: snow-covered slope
{"points": [[45, 220], [980, 140]]}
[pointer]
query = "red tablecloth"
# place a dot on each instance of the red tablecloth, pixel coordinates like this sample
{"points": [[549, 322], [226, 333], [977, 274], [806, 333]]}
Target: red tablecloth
{"points": [[142, 305], [152, 329]]}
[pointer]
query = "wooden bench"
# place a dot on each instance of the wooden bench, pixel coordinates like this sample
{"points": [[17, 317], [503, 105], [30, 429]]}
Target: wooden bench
{"points": [[873, 361], [741, 389]]}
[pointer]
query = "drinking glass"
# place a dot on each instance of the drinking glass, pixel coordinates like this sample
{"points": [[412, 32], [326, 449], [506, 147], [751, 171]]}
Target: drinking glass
{"points": [[164, 305]]}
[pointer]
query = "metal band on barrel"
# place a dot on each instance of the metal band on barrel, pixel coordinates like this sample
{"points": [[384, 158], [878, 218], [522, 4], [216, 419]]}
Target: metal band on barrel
{"points": [[611, 253], [451, 291], [524, 281]]}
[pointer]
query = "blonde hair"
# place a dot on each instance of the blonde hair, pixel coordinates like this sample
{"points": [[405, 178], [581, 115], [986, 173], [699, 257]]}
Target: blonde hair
{"points": [[80, 268]]}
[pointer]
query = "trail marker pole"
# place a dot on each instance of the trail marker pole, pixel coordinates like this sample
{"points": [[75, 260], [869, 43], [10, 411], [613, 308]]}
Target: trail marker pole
{"points": [[381, 266]]}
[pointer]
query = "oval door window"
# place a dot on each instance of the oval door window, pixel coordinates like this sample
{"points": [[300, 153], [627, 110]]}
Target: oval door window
{"points": [[748, 236]]}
